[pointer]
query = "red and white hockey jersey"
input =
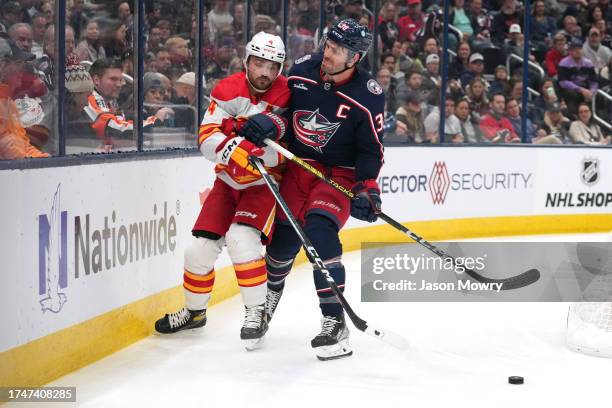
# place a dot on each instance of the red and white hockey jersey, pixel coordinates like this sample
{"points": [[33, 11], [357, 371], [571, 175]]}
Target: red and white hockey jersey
{"points": [[231, 98]]}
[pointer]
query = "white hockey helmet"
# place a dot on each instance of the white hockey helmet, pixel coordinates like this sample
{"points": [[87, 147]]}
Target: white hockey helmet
{"points": [[266, 46]]}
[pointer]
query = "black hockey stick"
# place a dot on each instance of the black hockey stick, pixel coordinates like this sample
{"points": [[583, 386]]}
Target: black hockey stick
{"points": [[515, 282], [386, 336]]}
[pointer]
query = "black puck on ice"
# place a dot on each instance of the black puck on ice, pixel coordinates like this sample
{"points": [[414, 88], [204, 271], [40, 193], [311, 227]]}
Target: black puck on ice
{"points": [[516, 379]]}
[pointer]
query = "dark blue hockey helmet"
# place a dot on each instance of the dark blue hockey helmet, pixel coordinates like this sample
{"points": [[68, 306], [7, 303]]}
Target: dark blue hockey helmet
{"points": [[351, 35]]}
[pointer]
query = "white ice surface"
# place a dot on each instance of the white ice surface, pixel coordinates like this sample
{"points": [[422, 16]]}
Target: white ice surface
{"points": [[460, 355]]}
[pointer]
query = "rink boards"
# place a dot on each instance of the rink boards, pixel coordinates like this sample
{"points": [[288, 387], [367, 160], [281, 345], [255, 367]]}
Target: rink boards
{"points": [[92, 254]]}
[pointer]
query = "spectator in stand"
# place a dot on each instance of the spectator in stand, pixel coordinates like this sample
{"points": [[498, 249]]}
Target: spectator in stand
{"points": [[389, 86], [218, 66], [460, 63], [555, 55], [412, 22], [353, 9], [542, 27], [21, 34], [14, 144], [235, 65], [162, 62], [585, 130], [495, 126], [410, 119], [592, 50], [594, 14], [507, 16], [91, 49], [76, 17], [606, 38], [107, 121], [555, 128], [116, 43], [39, 25], [571, 30], [413, 82], [501, 82], [154, 97], [180, 55], [219, 18], [154, 39], [475, 69], [388, 60], [481, 21], [470, 129], [185, 90], [47, 9], [165, 30], [607, 9], [452, 127], [513, 113], [430, 46], [461, 19], [477, 97], [388, 28], [46, 64], [548, 97], [10, 13], [431, 76], [577, 78]]}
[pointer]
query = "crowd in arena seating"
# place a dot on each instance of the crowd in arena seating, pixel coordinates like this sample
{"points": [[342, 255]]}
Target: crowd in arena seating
{"points": [[570, 41]]}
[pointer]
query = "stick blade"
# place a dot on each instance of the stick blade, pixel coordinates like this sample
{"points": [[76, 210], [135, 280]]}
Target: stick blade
{"points": [[386, 336]]}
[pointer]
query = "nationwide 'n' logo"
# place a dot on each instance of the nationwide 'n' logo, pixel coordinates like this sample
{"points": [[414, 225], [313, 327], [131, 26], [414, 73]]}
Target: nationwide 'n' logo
{"points": [[439, 182], [313, 129], [53, 256], [589, 172]]}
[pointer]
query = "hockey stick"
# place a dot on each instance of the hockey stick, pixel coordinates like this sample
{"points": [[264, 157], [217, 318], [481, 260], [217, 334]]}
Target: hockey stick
{"points": [[515, 282], [386, 336]]}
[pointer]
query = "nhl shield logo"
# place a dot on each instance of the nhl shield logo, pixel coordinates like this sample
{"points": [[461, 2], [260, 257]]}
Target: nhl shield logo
{"points": [[589, 172]]}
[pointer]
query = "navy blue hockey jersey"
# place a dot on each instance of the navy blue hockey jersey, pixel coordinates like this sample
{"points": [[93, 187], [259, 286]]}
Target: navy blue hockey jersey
{"points": [[335, 125]]}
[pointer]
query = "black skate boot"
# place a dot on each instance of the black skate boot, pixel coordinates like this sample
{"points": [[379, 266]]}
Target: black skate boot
{"points": [[254, 327], [182, 320], [332, 342], [272, 299]]}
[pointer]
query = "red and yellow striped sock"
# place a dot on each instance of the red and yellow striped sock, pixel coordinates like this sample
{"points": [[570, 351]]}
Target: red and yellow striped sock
{"points": [[252, 277], [198, 289]]}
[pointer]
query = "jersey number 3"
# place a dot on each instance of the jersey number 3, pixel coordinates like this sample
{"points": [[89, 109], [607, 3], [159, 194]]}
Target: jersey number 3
{"points": [[380, 122]]}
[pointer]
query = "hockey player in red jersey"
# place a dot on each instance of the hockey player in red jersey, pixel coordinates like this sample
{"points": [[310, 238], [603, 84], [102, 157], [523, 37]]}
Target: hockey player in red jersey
{"points": [[239, 211], [336, 124]]}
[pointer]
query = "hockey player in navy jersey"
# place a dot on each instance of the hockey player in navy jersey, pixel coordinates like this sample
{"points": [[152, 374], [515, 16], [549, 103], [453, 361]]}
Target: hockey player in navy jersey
{"points": [[336, 123]]}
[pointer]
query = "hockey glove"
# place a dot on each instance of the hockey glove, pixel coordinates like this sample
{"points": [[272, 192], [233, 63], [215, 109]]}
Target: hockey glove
{"points": [[366, 205], [262, 126], [234, 152]]}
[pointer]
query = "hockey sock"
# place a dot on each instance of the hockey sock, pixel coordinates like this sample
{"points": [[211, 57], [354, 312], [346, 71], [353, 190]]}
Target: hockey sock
{"points": [[280, 255], [323, 232], [197, 289]]}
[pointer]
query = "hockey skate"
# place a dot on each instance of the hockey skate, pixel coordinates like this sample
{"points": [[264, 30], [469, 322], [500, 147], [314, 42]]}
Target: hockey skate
{"points": [[332, 342], [255, 326], [272, 299], [184, 319]]}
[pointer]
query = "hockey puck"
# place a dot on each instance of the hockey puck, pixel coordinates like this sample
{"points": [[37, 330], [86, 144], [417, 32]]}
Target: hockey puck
{"points": [[516, 379]]}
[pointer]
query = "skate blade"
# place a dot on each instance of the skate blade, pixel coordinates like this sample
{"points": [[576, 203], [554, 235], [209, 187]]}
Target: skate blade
{"points": [[335, 351], [253, 344]]}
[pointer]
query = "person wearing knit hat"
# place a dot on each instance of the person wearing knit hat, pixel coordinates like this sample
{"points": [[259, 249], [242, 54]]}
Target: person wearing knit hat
{"points": [[78, 79]]}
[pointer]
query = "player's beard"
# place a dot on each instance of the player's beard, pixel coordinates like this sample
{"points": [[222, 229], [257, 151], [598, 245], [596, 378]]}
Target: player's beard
{"points": [[263, 82]]}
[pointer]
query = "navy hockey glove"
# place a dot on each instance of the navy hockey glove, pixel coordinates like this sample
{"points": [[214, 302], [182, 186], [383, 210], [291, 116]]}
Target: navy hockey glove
{"points": [[266, 125], [366, 205]]}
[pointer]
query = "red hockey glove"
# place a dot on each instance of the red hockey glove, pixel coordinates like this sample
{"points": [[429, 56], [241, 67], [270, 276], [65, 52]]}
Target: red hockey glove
{"points": [[366, 205], [234, 152], [231, 126], [266, 125]]}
